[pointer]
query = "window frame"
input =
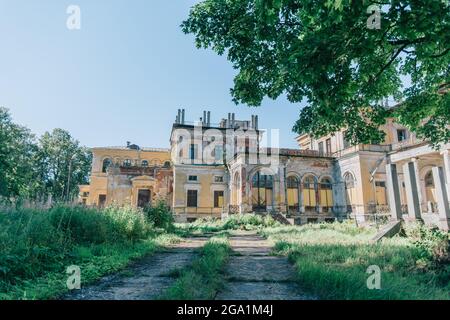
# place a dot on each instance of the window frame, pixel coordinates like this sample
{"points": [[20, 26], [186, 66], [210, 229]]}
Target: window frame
{"points": [[192, 196], [217, 196], [405, 135], [192, 176]]}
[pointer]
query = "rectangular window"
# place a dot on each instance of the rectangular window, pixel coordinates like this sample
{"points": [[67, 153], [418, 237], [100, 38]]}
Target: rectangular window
{"points": [[328, 144], [218, 179], [218, 199], [192, 198], [381, 184], [192, 178], [193, 152], [321, 147], [401, 135]]}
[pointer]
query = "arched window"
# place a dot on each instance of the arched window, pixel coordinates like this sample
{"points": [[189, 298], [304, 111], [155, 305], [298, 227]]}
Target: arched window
{"points": [[127, 163], [350, 190], [144, 163], [106, 164], [326, 194], [262, 191], [293, 187], [429, 181], [167, 164], [310, 193]]}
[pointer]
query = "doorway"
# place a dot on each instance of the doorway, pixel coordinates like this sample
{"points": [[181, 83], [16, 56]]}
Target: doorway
{"points": [[144, 197]]}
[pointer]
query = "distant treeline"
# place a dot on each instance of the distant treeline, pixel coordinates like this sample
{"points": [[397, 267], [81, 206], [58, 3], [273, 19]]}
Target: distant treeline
{"points": [[39, 169]]}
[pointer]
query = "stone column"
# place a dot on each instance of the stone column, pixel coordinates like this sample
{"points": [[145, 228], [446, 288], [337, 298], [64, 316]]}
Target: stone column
{"points": [[393, 190], [419, 188], [227, 194], [442, 198], [446, 154], [242, 192], [276, 196], [283, 196], [412, 194]]}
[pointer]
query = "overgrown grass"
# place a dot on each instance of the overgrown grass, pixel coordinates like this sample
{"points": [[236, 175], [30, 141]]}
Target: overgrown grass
{"points": [[234, 222], [332, 261], [203, 279], [38, 245]]}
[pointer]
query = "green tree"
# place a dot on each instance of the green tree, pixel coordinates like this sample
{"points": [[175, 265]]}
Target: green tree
{"points": [[62, 164], [330, 55], [17, 149]]}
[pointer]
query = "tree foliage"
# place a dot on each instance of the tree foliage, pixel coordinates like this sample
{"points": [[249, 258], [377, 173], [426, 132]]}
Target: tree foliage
{"points": [[324, 53], [58, 156], [36, 169], [17, 150]]}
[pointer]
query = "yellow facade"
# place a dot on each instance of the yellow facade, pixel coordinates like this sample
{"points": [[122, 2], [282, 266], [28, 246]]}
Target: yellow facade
{"points": [[99, 194], [362, 168], [325, 179]]}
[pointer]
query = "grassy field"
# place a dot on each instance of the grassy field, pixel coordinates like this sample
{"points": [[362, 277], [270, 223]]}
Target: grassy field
{"points": [[204, 278], [332, 261], [37, 246]]}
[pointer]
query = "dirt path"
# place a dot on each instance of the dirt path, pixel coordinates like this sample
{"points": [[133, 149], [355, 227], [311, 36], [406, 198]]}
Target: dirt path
{"points": [[145, 279], [253, 274]]}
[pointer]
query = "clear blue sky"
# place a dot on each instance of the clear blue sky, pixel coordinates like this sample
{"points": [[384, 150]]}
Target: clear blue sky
{"points": [[120, 78]]}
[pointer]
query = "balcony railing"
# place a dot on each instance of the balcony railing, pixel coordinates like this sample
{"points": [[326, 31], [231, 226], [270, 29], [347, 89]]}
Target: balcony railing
{"points": [[411, 142]]}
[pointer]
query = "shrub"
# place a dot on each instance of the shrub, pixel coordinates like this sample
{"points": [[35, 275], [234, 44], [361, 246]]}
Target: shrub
{"points": [[434, 245], [160, 216], [244, 221], [33, 242]]}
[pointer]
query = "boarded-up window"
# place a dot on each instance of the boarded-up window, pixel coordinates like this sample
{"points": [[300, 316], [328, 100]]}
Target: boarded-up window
{"points": [[293, 192], [309, 193], [326, 194], [218, 199], [350, 190]]}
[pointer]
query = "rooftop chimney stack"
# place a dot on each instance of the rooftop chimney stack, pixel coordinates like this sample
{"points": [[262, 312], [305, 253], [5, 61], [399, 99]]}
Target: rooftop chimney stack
{"points": [[182, 116], [229, 120], [208, 122], [204, 118], [232, 120], [256, 122], [178, 118]]}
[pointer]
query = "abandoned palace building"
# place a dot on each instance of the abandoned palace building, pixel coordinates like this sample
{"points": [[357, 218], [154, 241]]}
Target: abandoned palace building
{"points": [[214, 169]]}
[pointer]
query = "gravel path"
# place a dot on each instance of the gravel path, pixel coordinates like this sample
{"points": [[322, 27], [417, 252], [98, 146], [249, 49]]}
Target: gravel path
{"points": [[145, 279], [254, 274]]}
